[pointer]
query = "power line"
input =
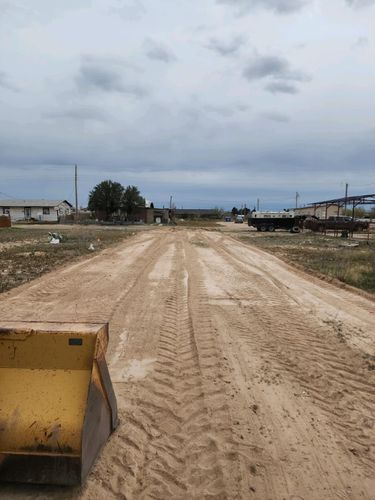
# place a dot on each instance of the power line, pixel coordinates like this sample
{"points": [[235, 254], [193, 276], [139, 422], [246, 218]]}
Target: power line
{"points": [[8, 195]]}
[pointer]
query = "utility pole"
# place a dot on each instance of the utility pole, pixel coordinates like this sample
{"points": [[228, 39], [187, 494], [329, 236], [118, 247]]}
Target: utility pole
{"points": [[170, 216], [297, 197], [346, 196], [76, 190], [258, 204]]}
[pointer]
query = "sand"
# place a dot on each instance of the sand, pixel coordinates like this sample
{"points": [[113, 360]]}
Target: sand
{"points": [[236, 375]]}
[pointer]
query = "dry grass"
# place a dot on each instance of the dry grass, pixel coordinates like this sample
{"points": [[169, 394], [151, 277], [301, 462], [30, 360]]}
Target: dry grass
{"points": [[332, 257], [26, 254]]}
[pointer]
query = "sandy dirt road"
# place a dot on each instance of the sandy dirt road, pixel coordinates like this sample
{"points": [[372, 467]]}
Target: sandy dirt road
{"points": [[236, 377]]}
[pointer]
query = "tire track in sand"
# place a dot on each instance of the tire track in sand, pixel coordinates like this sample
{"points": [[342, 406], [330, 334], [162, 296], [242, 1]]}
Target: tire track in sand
{"points": [[185, 460], [335, 376], [114, 473], [329, 374], [175, 437]]}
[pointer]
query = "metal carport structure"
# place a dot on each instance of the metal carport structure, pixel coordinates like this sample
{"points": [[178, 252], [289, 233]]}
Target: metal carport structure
{"points": [[343, 203]]}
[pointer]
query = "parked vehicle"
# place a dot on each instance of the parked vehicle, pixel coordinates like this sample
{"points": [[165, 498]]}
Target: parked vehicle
{"points": [[269, 221], [239, 219], [339, 218]]}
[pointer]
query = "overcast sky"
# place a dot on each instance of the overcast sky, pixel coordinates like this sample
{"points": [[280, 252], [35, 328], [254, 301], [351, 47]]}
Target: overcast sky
{"points": [[216, 102]]}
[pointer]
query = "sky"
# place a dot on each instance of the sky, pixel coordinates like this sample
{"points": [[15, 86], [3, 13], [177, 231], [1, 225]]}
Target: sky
{"points": [[215, 102]]}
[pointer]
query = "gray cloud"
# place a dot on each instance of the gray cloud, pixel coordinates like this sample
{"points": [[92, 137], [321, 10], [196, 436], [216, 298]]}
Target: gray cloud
{"points": [[272, 66], [132, 10], [5, 7], [226, 48], [264, 66], [5, 83], [157, 51], [278, 6], [358, 4], [361, 42], [225, 111], [22, 11], [79, 113], [276, 117], [281, 88], [98, 74], [276, 69], [242, 107], [194, 128]]}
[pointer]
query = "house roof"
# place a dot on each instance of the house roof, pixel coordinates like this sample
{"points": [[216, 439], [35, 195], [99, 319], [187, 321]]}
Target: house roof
{"points": [[32, 203]]}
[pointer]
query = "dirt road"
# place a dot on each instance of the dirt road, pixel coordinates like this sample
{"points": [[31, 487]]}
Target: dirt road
{"points": [[236, 376]]}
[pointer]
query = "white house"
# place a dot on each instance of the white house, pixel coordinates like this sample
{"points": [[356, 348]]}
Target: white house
{"points": [[38, 210]]}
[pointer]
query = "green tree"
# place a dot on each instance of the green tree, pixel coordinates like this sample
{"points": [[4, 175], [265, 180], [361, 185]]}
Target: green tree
{"points": [[105, 199], [359, 212], [218, 212], [132, 199], [234, 211]]}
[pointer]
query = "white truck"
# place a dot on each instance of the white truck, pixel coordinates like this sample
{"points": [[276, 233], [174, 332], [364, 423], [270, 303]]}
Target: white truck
{"points": [[269, 221]]}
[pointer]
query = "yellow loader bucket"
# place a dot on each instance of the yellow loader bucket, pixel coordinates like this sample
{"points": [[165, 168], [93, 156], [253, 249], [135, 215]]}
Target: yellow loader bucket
{"points": [[57, 404]]}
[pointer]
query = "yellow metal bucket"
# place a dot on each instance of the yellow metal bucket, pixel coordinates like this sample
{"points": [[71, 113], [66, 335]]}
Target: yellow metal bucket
{"points": [[57, 404]]}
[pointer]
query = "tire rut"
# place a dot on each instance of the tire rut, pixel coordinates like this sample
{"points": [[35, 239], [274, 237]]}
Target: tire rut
{"points": [[335, 378], [186, 448]]}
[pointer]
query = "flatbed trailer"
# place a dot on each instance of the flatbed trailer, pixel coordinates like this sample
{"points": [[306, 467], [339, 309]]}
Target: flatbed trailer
{"points": [[336, 224]]}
